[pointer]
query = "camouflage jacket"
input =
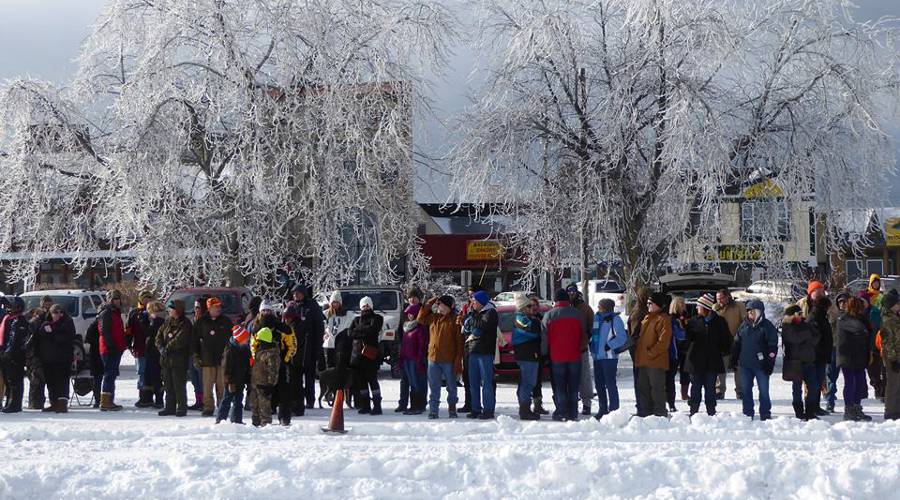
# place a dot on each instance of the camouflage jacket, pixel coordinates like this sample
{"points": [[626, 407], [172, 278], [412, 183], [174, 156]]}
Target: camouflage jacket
{"points": [[890, 336]]}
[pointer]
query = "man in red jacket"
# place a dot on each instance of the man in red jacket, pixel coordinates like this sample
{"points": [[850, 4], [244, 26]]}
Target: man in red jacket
{"points": [[564, 334], [112, 345]]}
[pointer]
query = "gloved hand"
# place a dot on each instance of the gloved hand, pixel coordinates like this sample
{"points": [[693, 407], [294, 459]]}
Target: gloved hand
{"points": [[895, 366]]}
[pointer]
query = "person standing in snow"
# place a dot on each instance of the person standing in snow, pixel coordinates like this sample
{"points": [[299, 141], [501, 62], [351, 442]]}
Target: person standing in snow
{"points": [[873, 299], [854, 348], [194, 373], [734, 313], [112, 345], [136, 334], [413, 358], [14, 332], [34, 370], [677, 314], [152, 368], [308, 324], [364, 331], [563, 335], [652, 357], [480, 330], [638, 313], [586, 387], [236, 374], [266, 365], [754, 352], [54, 341], [212, 331], [526, 341], [890, 353], [446, 351], [832, 371], [707, 340], [800, 341], [608, 335], [821, 315], [336, 321], [413, 298], [174, 344], [286, 386], [537, 394]]}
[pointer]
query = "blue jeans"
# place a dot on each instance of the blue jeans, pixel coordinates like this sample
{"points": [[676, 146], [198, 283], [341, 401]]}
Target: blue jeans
{"points": [[528, 375], [605, 383], [110, 371], [436, 373], [481, 382], [811, 380], [832, 372], [141, 364], [705, 382], [416, 380], [762, 381], [232, 406], [568, 383]]}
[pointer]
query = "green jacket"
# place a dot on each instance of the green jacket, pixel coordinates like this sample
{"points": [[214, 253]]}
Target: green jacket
{"points": [[890, 336], [174, 341]]}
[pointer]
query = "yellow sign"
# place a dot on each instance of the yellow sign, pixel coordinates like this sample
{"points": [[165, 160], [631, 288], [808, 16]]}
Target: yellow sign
{"points": [[892, 231], [764, 189], [484, 250], [738, 253]]}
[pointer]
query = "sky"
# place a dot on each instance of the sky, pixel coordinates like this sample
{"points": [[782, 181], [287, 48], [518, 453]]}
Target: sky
{"points": [[41, 38]]}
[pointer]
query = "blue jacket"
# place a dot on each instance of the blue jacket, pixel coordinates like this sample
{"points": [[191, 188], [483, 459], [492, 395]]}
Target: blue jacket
{"points": [[755, 341], [526, 329], [608, 331]]}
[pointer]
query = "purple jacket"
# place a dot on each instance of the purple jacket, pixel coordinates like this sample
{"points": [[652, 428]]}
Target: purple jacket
{"points": [[414, 343]]}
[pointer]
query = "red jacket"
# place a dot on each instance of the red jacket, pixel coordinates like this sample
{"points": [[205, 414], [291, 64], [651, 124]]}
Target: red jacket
{"points": [[565, 333], [112, 331], [138, 323]]}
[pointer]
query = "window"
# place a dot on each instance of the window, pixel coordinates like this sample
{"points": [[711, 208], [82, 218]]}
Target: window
{"points": [[854, 269], [757, 217], [87, 307], [875, 267]]}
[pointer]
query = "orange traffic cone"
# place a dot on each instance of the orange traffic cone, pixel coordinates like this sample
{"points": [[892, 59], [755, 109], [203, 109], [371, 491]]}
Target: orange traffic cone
{"points": [[336, 421]]}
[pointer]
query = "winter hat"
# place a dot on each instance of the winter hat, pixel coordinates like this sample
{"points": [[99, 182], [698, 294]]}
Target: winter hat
{"points": [[412, 309], [213, 301], [177, 305], [481, 297], [264, 335], [561, 296], [841, 297], [239, 334], [660, 299], [301, 287], [521, 301], [266, 306], [756, 304], [366, 301], [890, 299], [813, 286], [145, 295], [572, 288], [336, 297], [112, 295], [707, 301], [872, 280], [447, 300]]}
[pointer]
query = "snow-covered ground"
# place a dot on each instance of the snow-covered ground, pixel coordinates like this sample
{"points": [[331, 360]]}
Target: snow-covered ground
{"points": [[135, 454]]}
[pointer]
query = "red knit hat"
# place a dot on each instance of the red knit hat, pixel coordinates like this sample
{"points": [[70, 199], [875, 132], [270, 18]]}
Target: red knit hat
{"points": [[813, 286], [239, 334]]}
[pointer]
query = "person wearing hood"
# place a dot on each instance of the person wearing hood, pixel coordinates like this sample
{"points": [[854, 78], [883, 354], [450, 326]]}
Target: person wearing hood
{"points": [[480, 330], [526, 341], [874, 300], [365, 358], [413, 358], [890, 353], [800, 341], [754, 351], [707, 341], [608, 338], [446, 351], [652, 357], [14, 332], [854, 348], [563, 335], [308, 324], [265, 354], [174, 344], [821, 315], [413, 297], [832, 371], [236, 374], [586, 387]]}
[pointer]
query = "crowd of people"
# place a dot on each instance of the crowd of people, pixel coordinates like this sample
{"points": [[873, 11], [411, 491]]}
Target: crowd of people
{"points": [[269, 362]]}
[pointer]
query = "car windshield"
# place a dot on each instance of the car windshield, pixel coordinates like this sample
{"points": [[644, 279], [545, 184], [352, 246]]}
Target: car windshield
{"points": [[608, 286], [68, 302], [230, 304], [507, 321], [381, 301]]}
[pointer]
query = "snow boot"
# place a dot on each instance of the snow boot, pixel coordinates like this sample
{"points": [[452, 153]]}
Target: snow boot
{"points": [[525, 412], [376, 405], [539, 408], [473, 415], [819, 412], [432, 415], [364, 405], [61, 405], [180, 413], [798, 411], [850, 413], [107, 402], [198, 402], [49, 408], [452, 411], [862, 416], [586, 409], [166, 412], [684, 392], [158, 402], [416, 406], [829, 407], [145, 399], [487, 415], [401, 408], [465, 409]]}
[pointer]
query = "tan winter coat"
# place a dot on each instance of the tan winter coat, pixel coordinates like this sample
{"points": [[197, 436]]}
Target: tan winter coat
{"points": [[652, 349], [734, 314], [445, 343]]}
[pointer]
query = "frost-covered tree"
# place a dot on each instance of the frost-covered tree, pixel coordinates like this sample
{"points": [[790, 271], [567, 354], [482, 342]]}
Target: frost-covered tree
{"points": [[220, 140], [610, 128]]}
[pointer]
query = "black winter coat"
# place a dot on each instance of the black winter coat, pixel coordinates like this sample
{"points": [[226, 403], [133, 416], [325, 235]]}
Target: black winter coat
{"points": [[15, 337], [54, 341], [818, 319], [706, 343], [364, 330], [854, 343], [210, 338], [309, 327], [236, 364], [153, 325], [800, 342], [484, 322]]}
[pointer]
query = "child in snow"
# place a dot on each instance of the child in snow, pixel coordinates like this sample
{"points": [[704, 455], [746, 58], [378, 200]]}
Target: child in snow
{"points": [[266, 363], [236, 369]]}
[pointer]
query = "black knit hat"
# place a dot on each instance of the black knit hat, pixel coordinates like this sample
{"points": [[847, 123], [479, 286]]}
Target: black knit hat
{"points": [[447, 300], [660, 299], [561, 295]]}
